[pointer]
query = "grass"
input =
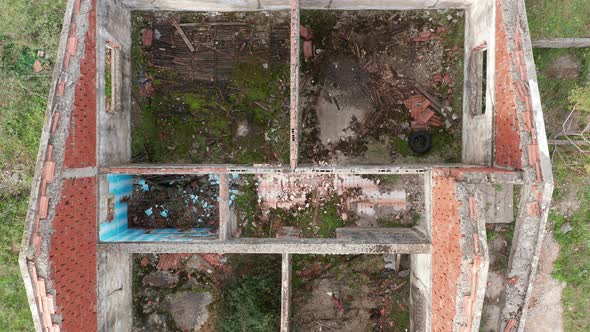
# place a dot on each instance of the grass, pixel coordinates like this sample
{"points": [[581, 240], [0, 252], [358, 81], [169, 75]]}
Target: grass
{"points": [[557, 94], [558, 18], [29, 32], [573, 263]]}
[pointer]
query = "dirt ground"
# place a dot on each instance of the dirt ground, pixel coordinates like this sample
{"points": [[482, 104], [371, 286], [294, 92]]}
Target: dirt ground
{"points": [[224, 101], [545, 309], [499, 244], [365, 65], [311, 206], [349, 293], [180, 202]]}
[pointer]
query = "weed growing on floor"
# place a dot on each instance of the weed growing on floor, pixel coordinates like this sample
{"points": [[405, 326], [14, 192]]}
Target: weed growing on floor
{"points": [[251, 301]]}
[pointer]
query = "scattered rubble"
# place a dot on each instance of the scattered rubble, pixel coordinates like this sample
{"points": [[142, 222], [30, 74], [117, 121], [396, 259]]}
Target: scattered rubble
{"points": [[174, 202], [349, 293]]}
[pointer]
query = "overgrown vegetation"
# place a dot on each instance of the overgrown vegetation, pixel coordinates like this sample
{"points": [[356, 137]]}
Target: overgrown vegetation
{"points": [[558, 18], [252, 300], [571, 168], [177, 119], [29, 32], [314, 220]]}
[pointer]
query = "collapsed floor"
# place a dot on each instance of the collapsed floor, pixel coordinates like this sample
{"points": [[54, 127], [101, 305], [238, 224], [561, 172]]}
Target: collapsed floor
{"points": [[350, 293], [312, 206], [362, 73], [210, 87]]}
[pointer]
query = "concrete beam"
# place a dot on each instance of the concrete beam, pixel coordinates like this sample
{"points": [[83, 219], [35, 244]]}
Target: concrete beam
{"points": [[114, 305], [561, 43], [480, 174], [294, 83], [420, 292], [406, 242], [285, 292], [224, 217], [252, 5]]}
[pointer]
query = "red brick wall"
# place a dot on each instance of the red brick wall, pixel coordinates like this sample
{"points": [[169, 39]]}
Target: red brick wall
{"points": [[73, 255], [446, 251], [81, 142], [508, 152]]}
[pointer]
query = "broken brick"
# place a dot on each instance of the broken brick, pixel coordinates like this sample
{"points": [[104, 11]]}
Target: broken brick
{"points": [[147, 37], [307, 49], [533, 209], [305, 33]]}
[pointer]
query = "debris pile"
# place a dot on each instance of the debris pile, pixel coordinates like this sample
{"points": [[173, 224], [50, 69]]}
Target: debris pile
{"points": [[174, 202]]}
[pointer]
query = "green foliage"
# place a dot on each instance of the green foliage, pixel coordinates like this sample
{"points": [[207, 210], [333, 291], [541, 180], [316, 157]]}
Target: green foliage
{"points": [[558, 96], [558, 18], [330, 219], [251, 302], [573, 264], [580, 97], [14, 308]]}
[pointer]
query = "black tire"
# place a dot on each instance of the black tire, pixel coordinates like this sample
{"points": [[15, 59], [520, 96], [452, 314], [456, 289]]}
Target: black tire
{"points": [[420, 141]]}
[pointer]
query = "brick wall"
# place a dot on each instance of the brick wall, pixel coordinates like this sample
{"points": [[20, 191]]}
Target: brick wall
{"points": [[446, 251], [72, 252], [72, 255], [81, 142], [508, 152]]}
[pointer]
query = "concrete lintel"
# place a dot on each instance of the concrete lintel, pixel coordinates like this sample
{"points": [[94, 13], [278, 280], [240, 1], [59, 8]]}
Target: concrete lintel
{"points": [[285, 292], [152, 169], [409, 245]]}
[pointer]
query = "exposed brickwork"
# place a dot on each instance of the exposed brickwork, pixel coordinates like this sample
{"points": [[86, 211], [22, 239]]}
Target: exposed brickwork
{"points": [[81, 142], [508, 152], [446, 251], [73, 255]]}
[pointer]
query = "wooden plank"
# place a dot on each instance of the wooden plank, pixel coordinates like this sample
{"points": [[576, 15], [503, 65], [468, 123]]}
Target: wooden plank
{"points": [[184, 37]]}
